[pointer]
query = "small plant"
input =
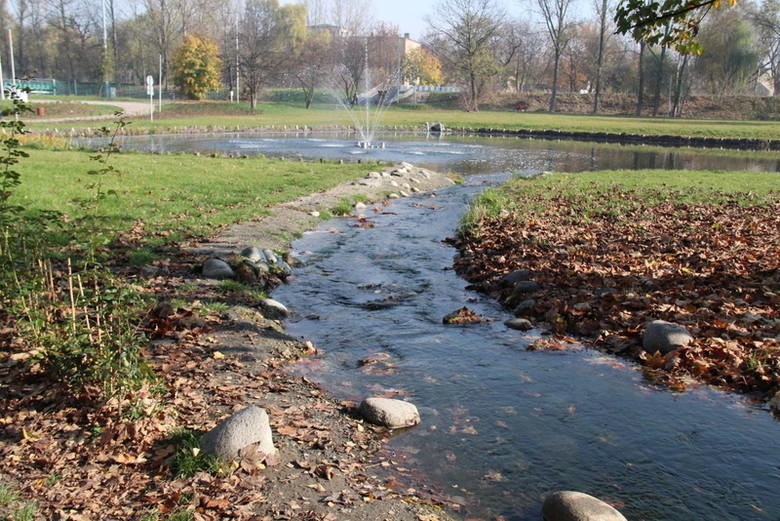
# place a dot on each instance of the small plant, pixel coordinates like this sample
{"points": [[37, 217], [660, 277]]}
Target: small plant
{"points": [[346, 204], [26, 512], [104, 154], [189, 459], [84, 330], [10, 154], [10, 508], [7, 495]]}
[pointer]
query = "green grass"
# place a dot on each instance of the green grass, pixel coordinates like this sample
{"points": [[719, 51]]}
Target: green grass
{"points": [[189, 459], [345, 205], [225, 116], [12, 509], [600, 192], [170, 197]]}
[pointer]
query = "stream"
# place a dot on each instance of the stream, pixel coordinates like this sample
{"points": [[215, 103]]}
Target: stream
{"points": [[503, 426]]}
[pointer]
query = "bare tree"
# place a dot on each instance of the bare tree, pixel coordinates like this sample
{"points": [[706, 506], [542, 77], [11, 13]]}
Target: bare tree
{"points": [[602, 7], [766, 18], [314, 63], [555, 14], [465, 34], [269, 36]]}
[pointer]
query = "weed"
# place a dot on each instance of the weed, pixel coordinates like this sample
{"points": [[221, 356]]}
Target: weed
{"points": [[345, 205], [189, 459], [26, 512], [181, 515], [10, 154], [215, 307], [7, 495]]}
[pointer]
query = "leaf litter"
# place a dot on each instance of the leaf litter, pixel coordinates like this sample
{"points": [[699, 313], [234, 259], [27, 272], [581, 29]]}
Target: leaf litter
{"points": [[606, 268]]}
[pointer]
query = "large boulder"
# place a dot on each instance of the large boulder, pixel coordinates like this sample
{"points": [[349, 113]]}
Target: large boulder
{"points": [[217, 269], [665, 337], [393, 414], [247, 427], [576, 506]]}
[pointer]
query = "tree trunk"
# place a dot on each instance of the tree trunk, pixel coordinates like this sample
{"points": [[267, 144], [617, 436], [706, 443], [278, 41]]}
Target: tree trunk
{"points": [[678, 88], [658, 81], [600, 58], [556, 64], [640, 94]]}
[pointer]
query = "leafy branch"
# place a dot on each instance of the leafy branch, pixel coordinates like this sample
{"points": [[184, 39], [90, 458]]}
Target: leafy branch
{"points": [[10, 154]]}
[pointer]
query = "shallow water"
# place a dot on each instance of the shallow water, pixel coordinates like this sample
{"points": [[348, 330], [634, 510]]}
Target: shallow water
{"points": [[503, 426], [465, 155]]}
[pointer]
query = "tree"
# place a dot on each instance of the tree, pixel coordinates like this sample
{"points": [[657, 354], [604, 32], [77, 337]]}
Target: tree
{"points": [[602, 6], [422, 67], [351, 66], [729, 58], [196, 66], [315, 62], [466, 34], [555, 15], [669, 22], [269, 36], [766, 18]]}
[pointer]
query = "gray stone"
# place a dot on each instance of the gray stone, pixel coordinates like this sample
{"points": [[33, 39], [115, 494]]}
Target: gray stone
{"points": [[247, 427], [576, 506], [374, 175], [393, 196], [274, 308], [282, 268], [665, 337], [512, 278], [253, 253], [526, 286], [360, 206], [393, 414], [521, 324], [774, 403], [525, 306], [217, 269], [270, 257]]}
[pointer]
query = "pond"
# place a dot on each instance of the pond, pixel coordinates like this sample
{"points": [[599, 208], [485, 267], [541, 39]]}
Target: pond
{"points": [[503, 426]]}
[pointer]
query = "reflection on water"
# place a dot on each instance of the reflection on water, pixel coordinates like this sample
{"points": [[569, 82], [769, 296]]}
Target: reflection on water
{"points": [[466, 155], [503, 426]]}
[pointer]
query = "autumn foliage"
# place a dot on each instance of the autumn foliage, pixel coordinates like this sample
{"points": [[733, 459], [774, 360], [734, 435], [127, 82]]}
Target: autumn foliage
{"points": [[613, 260], [196, 67]]}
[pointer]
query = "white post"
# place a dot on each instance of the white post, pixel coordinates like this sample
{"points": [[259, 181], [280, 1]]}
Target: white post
{"points": [[11, 51], [150, 92]]}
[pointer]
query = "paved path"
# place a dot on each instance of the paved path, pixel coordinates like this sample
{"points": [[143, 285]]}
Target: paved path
{"points": [[131, 108]]}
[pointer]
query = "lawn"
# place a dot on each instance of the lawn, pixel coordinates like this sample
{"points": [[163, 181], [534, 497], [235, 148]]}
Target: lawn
{"points": [[222, 116], [173, 196]]}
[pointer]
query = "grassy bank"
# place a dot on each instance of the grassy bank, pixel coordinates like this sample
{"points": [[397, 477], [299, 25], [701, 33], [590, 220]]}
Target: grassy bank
{"points": [[170, 196], [64, 311], [614, 250], [224, 116]]}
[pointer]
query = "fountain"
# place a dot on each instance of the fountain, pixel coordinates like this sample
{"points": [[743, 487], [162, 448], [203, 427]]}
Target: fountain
{"points": [[380, 97]]}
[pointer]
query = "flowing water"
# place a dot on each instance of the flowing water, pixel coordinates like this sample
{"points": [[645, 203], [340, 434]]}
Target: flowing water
{"points": [[503, 426]]}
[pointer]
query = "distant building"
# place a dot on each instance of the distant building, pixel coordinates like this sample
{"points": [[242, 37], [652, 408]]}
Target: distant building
{"points": [[334, 30]]}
